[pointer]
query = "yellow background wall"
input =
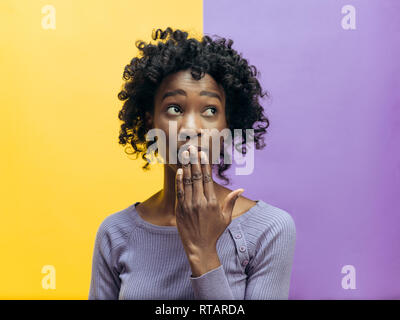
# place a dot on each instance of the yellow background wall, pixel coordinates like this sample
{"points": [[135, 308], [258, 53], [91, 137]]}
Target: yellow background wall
{"points": [[62, 170]]}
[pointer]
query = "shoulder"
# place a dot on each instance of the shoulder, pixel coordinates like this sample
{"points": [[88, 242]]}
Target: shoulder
{"points": [[116, 228], [265, 221]]}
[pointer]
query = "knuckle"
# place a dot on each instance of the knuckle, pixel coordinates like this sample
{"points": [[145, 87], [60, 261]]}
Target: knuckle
{"points": [[186, 207], [196, 206], [213, 203]]}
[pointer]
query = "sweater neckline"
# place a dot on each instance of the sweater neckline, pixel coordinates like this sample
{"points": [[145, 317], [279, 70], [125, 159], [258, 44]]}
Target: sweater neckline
{"points": [[173, 229]]}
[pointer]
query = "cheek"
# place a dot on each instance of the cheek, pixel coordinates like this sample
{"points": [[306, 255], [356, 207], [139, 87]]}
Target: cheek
{"points": [[162, 126], [158, 123]]}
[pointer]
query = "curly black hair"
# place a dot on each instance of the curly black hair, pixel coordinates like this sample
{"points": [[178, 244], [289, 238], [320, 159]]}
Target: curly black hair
{"points": [[175, 52]]}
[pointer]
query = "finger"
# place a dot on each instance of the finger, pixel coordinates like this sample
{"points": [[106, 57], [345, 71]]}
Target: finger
{"points": [[187, 177], [197, 175], [229, 203], [180, 194], [208, 183]]}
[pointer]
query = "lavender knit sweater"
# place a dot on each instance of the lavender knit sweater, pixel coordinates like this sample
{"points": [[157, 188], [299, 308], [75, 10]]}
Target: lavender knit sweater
{"points": [[134, 259]]}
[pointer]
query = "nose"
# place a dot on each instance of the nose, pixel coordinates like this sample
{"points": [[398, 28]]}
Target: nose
{"points": [[190, 127]]}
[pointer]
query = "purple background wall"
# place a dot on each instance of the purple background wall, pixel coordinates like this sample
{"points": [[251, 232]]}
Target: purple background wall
{"points": [[333, 152]]}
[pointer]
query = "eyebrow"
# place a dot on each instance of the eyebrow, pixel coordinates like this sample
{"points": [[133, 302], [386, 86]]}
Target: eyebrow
{"points": [[182, 92]]}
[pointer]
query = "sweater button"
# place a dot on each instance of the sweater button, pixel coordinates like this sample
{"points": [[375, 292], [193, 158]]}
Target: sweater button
{"points": [[245, 262], [242, 249], [238, 236]]}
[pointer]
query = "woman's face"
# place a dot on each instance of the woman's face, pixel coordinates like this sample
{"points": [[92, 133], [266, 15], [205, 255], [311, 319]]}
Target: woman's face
{"points": [[193, 105]]}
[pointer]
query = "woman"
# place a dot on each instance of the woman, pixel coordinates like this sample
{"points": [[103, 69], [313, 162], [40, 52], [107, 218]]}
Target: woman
{"points": [[194, 239]]}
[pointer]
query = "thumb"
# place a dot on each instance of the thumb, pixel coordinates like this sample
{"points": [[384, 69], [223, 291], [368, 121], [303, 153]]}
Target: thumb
{"points": [[229, 202]]}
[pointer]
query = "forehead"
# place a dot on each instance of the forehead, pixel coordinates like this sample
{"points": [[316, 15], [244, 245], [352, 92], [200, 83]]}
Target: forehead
{"points": [[184, 80]]}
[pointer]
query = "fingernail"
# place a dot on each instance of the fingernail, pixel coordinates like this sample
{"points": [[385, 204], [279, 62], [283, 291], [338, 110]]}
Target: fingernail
{"points": [[205, 157], [202, 156]]}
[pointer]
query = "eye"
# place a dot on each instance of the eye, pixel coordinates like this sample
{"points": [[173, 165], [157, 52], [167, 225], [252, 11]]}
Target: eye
{"points": [[172, 109], [210, 111]]}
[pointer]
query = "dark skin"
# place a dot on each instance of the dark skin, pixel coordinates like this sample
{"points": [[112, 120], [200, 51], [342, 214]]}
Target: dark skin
{"points": [[201, 211]]}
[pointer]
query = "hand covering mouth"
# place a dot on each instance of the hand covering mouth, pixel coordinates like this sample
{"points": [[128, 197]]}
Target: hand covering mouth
{"points": [[185, 148]]}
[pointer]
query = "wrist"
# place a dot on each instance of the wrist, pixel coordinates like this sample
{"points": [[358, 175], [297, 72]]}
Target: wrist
{"points": [[203, 262], [200, 251]]}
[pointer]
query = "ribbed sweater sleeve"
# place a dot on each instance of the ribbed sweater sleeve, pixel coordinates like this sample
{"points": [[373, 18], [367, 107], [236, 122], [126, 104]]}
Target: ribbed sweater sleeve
{"points": [[109, 244], [269, 271], [105, 281], [212, 285]]}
